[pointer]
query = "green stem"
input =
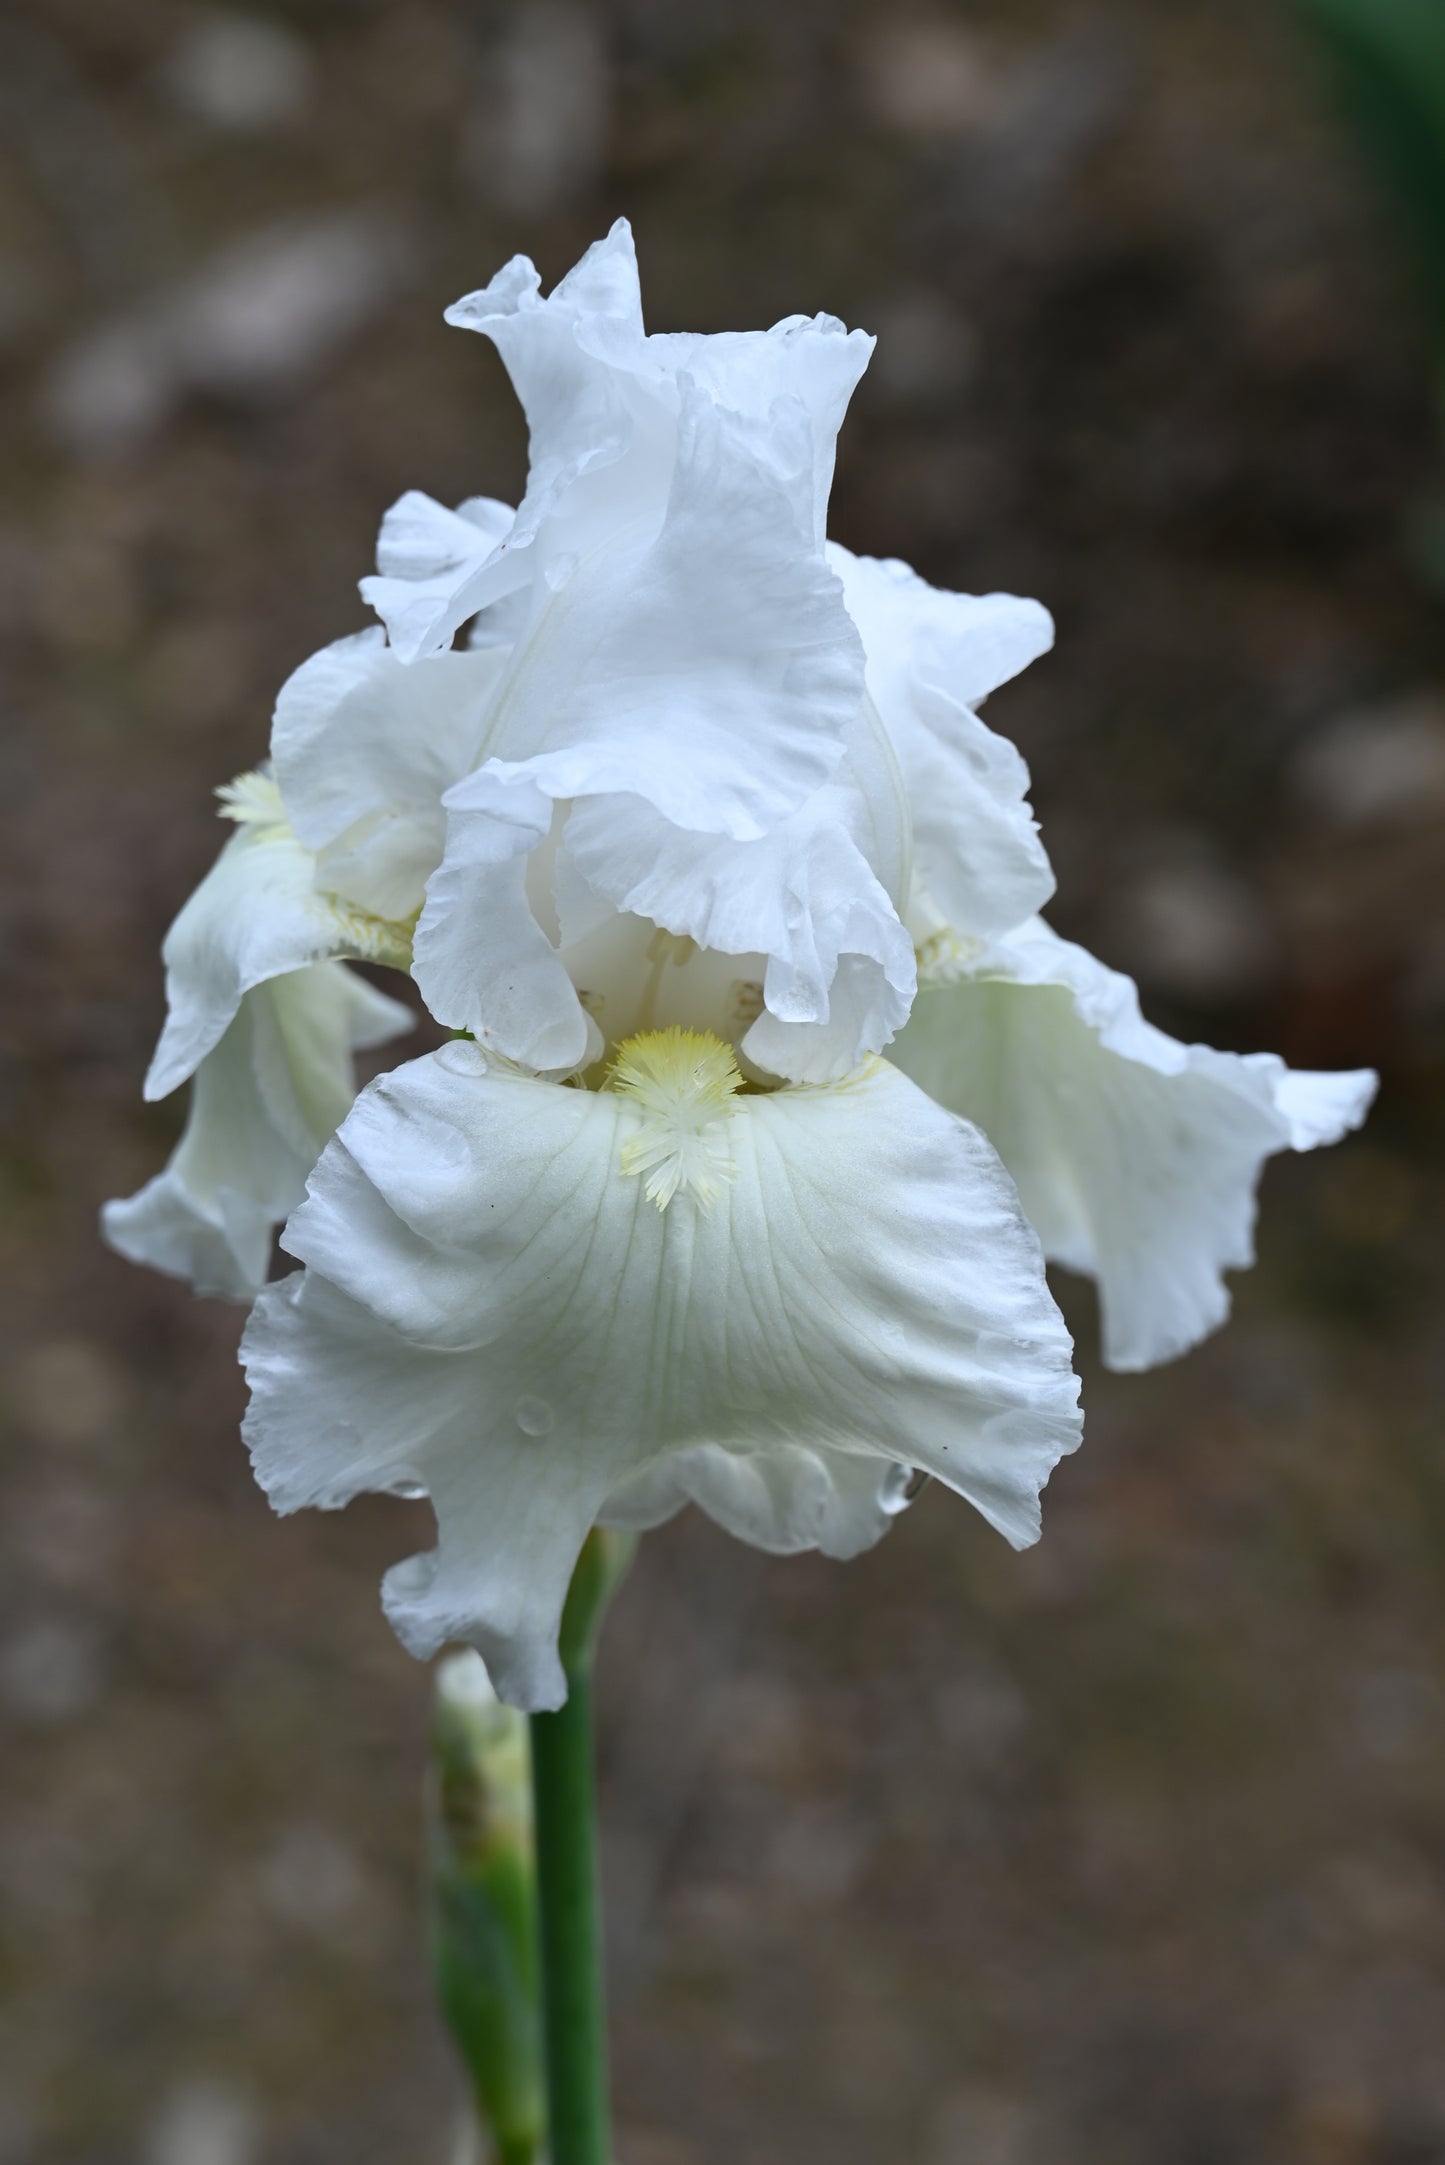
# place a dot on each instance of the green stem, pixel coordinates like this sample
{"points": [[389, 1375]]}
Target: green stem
{"points": [[574, 2021]]}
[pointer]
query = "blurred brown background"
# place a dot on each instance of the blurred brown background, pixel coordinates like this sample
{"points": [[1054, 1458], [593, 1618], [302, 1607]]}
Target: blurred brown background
{"points": [[1127, 1852]]}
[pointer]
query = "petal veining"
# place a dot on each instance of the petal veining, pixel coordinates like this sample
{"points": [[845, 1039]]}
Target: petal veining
{"points": [[863, 1288]]}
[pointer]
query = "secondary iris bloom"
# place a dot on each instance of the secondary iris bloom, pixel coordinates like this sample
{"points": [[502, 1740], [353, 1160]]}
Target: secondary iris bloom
{"points": [[696, 821]]}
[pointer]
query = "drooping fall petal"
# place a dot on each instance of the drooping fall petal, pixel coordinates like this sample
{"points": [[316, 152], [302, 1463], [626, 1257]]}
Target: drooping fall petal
{"points": [[496, 1310], [1137, 1158]]}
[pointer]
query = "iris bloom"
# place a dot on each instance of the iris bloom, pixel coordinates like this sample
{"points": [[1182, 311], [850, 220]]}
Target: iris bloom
{"points": [[770, 1090]]}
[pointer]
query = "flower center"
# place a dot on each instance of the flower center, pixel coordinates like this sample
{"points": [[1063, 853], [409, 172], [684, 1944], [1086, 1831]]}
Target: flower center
{"points": [[685, 1084]]}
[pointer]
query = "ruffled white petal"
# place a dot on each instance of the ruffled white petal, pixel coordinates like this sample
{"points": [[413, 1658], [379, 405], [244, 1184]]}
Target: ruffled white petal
{"points": [[803, 901], [257, 914], [675, 640], [931, 656], [264, 1101], [969, 644], [1320, 1109], [495, 1311], [712, 674], [711, 668], [577, 361], [811, 910], [606, 413], [482, 960], [813, 360], [784, 1500], [436, 568], [602, 400], [364, 748], [1136, 1157], [389, 1416]]}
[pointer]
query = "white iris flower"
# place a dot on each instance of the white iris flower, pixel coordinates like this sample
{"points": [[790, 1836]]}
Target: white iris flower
{"points": [[672, 838]]}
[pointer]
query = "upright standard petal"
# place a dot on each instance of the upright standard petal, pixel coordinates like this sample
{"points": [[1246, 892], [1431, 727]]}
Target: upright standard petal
{"points": [[931, 657], [710, 666], [264, 1101], [575, 357], [814, 362], [711, 673], [577, 361], [605, 408], [496, 1308], [257, 914], [602, 400], [1136, 1158]]}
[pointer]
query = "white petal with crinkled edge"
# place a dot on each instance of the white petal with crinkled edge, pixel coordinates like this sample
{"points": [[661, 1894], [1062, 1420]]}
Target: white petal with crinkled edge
{"points": [[264, 1101], [603, 404], [813, 359], [494, 1311], [256, 915], [1136, 1157], [711, 668], [818, 899], [601, 398], [482, 961], [714, 674], [804, 898], [435, 568], [931, 656], [784, 1499], [364, 747], [577, 361], [575, 357]]}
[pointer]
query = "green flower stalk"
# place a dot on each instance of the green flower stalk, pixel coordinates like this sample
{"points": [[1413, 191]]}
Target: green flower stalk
{"points": [[574, 2002]]}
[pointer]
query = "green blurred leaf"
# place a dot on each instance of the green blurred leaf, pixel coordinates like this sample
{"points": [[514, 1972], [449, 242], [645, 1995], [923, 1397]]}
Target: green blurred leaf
{"points": [[1388, 57]]}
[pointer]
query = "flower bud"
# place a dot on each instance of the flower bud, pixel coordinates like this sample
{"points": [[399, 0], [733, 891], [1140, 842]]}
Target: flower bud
{"points": [[482, 1894]]}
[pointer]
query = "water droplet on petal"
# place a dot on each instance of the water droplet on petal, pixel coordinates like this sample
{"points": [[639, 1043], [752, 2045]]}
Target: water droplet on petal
{"points": [[534, 1416]]}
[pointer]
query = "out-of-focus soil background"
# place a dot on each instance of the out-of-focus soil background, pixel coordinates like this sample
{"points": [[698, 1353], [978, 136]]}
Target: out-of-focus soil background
{"points": [[1130, 1851]]}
